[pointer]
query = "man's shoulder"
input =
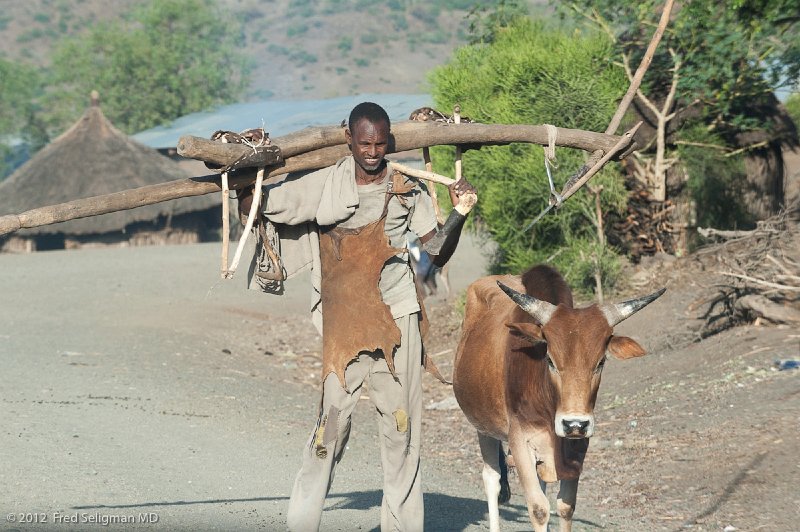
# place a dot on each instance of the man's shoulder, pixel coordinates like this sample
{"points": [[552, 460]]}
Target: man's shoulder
{"points": [[345, 164]]}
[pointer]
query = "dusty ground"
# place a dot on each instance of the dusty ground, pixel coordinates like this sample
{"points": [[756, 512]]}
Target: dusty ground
{"points": [[697, 435], [135, 381]]}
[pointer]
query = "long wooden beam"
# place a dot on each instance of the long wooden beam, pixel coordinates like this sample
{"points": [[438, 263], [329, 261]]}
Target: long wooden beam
{"points": [[307, 149], [406, 135]]}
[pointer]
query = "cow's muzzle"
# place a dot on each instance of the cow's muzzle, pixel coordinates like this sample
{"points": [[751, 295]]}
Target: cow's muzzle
{"points": [[574, 426]]}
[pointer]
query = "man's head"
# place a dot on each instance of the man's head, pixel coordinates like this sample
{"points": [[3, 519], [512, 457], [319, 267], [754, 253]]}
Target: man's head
{"points": [[368, 137], [371, 111]]}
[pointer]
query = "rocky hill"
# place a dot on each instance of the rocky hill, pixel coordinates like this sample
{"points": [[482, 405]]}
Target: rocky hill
{"points": [[300, 48]]}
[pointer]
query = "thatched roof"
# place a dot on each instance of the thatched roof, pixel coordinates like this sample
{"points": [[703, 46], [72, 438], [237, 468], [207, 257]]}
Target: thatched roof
{"points": [[89, 159]]}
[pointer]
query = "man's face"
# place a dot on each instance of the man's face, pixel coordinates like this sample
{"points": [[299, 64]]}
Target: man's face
{"points": [[369, 142]]}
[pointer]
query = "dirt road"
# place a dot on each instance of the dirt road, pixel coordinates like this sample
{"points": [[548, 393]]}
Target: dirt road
{"points": [[138, 386], [136, 382]]}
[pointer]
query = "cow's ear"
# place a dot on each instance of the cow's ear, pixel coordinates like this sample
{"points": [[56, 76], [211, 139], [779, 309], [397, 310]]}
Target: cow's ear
{"points": [[528, 331], [623, 348]]}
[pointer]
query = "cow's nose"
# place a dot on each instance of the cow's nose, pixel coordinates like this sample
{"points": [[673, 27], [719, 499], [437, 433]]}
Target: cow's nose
{"points": [[575, 428]]}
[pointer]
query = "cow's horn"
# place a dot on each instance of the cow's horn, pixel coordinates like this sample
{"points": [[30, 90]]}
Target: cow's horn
{"points": [[541, 311], [616, 313]]}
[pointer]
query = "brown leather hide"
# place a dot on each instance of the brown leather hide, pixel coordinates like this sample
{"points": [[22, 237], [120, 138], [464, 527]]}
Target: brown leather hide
{"points": [[355, 318]]}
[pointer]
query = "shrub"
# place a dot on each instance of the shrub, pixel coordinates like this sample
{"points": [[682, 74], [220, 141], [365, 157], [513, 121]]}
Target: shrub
{"points": [[531, 74], [345, 44], [296, 29], [369, 38], [793, 107]]}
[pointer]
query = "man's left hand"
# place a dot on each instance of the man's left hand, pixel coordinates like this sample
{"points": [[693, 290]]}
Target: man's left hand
{"points": [[463, 195]]}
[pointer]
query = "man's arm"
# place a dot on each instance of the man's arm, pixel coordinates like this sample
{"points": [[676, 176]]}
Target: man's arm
{"points": [[441, 243]]}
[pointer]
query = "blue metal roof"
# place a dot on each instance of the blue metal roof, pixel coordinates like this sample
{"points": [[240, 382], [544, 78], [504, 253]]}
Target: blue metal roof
{"points": [[278, 117]]}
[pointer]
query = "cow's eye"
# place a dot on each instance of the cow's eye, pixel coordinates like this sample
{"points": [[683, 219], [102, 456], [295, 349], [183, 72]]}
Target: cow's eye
{"points": [[600, 365]]}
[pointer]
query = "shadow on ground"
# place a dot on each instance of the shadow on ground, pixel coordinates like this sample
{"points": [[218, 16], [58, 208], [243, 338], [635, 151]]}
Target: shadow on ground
{"points": [[443, 512]]}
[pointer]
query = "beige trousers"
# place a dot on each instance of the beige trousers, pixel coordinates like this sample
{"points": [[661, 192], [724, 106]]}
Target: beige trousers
{"points": [[398, 402]]}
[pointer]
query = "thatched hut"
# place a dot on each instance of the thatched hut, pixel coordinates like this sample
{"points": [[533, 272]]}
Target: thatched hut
{"points": [[94, 158]]}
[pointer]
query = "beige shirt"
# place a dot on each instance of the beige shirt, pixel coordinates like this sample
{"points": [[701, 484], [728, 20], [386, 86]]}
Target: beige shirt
{"points": [[331, 196], [417, 216]]}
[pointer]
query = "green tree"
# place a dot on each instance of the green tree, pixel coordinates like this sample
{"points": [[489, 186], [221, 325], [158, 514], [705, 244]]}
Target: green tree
{"points": [[734, 54], [726, 60], [19, 86], [485, 19], [715, 180], [166, 59], [533, 74], [793, 107]]}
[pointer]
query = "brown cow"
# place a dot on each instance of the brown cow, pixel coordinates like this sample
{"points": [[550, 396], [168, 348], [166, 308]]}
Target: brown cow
{"points": [[528, 373]]}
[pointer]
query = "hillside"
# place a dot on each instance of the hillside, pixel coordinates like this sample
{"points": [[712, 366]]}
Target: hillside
{"points": [[300, 48]]}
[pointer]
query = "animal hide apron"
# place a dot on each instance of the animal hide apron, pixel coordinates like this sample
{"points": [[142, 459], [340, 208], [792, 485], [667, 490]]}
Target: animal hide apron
{"points": [[355, 318]]}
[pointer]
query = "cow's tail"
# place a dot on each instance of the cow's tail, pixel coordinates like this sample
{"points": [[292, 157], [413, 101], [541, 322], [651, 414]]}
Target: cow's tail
{"points": [[505, 489]]}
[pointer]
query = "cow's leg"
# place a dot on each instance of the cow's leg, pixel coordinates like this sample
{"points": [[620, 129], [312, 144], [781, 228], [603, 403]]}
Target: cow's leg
{"points": [[505, 489], [567, 495], [538, 505], [490, 450]]}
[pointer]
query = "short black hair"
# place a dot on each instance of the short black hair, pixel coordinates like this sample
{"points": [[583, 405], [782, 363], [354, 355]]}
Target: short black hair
{"points": [[371, 111]]}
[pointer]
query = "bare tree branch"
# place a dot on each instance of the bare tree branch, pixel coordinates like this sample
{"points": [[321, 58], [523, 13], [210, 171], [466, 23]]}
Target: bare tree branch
{"points": [[628, 98]]}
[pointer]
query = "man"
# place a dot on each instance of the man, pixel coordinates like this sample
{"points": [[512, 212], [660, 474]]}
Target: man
{"points": [[371, 313]]}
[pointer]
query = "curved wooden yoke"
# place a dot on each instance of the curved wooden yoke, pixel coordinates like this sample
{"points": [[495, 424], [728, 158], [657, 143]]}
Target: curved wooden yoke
{"points": [[314, 148]]}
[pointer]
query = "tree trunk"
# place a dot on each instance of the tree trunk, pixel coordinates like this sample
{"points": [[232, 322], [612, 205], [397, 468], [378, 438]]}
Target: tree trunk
{"points": [[762, 307]]}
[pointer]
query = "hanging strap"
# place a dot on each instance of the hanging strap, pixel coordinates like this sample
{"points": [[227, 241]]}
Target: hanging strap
{"points": [[556, 200]]}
